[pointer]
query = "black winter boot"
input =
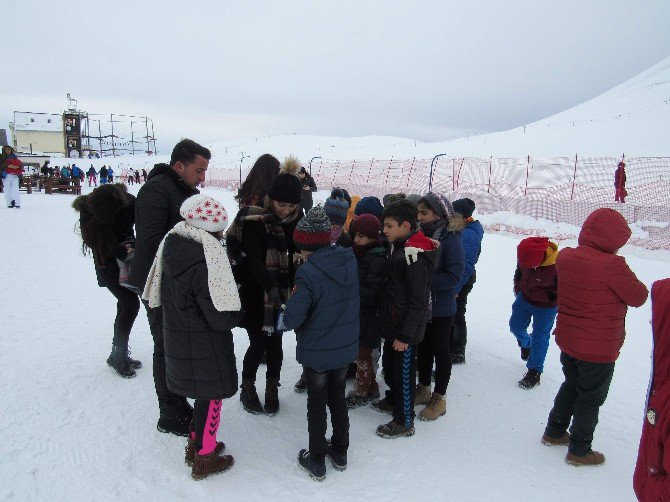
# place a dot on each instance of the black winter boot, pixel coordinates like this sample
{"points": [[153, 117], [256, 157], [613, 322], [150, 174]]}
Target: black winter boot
{"points": [[339, 460], [249, 398], [525, 353], [530, 380], [301, 385], [118, 360], [316, 470], [179, 426], [134, 363], [272, 397]]}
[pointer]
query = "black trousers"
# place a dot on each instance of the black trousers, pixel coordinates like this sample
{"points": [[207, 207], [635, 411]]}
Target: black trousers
{"points": [[170, 405], [580, 397], [459, 329], [327, 389], [435, 347], [127, 307], [259, 343], [400, 376]]}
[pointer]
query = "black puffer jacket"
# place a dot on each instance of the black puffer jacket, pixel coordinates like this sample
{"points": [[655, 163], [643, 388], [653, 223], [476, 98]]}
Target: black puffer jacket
{"points": [[199, 350], [404, 308], [156, 212]]}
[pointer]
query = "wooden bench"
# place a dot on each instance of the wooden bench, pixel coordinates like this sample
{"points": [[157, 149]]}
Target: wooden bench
{"points": [[27, 183], [59, 185]]}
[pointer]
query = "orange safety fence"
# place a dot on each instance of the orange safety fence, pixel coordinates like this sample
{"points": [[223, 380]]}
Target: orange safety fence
{"points": [[558, 189]]}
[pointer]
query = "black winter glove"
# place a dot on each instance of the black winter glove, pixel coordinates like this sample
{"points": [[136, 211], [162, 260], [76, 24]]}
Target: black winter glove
{"points": [[273, 297]]}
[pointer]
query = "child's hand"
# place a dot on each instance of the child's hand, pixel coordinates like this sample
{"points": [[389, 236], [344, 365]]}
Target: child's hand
{"points": [[399, 346]]}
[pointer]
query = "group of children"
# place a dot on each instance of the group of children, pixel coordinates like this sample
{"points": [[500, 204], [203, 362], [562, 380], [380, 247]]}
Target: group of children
{"points": [[351, 277]]}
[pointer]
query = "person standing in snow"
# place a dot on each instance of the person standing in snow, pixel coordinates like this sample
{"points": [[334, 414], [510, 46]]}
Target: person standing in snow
{"points": [[137, 176], [650, 481], [371, 259], [308, 186], [12, 169], [106, 218], [144, 175], [192, 282], [471, 238], [438, 221], [535, 292], [323, 310], [336, 209], [595, 289], [103, 174], [131, 176], [404, 310], [265, 275], [620, 192], [110, 175], [92, 176], [258, 182], [156, 212]]}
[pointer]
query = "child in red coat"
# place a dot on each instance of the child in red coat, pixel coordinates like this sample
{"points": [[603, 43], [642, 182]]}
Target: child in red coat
{"points": [[595, 289]]}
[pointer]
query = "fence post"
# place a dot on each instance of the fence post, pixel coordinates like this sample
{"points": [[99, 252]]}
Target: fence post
{"points": [[410, 171], [430, 179], [488, 190], [525, 190], [310, 164], [574, 175], [370, 171]]}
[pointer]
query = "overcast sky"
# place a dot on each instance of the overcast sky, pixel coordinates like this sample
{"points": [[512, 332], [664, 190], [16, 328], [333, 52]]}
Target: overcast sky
{"points": [[217, 70]]}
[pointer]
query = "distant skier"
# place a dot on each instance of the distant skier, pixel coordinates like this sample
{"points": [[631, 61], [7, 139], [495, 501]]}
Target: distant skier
{"points": [[620, 183], [110, 175]]}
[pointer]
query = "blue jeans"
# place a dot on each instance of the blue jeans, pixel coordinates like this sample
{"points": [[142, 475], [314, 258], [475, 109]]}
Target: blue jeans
{"points": [[538, 341]]}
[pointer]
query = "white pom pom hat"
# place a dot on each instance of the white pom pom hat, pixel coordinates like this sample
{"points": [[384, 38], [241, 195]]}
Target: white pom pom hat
{"points": [[205, 213]]}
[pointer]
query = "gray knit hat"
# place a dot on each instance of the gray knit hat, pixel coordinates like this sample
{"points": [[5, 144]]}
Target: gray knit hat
{"points": [[336, 207], [414, 198], [313, 231], [439, 204]]}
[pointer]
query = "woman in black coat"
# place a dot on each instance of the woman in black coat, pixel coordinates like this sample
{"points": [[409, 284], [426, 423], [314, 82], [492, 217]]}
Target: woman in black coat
{"points": [[106, 219], [266, 275]]}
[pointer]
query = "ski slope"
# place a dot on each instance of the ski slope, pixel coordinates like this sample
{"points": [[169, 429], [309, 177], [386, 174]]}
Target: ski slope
{"points": [[73, 430]]}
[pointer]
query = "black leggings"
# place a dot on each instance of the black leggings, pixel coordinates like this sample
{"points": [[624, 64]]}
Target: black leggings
{"points": [[435, 346], [259, 343], [127, 307]]}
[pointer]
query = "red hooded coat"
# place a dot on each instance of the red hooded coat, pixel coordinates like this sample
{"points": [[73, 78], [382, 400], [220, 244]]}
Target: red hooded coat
{"points": [[651, 480], [595, 288]]}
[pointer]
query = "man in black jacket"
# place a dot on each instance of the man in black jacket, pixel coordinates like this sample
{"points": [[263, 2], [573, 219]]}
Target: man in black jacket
{"points": [[156, 212]]}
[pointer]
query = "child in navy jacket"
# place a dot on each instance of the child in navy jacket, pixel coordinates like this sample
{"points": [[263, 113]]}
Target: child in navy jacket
{"points": [[324, 312]]}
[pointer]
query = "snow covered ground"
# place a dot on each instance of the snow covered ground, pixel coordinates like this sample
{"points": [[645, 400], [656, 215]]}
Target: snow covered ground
{"points": [[71, 429]]}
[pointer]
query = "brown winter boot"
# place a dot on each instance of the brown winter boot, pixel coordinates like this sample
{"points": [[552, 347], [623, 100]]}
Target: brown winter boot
{"points": [[204, 465], [366, 388], [422, 394], [271, 397], [591, 458], [564, 440], [436, 407], [189, 451]]}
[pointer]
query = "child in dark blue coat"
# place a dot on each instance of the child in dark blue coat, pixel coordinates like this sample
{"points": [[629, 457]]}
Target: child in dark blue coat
{"points": [[324, 312], [438, 221], [471, 237]]}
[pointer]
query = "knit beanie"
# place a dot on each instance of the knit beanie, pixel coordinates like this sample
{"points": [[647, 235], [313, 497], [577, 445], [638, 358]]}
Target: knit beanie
{"points": [[439, 204], [287, 187], [464, 206], [345, 195], [531, 251], [369, 205], [313, 231], [366, 224], [390, 198], [414, 198], [336, 207], [205, 213]]}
